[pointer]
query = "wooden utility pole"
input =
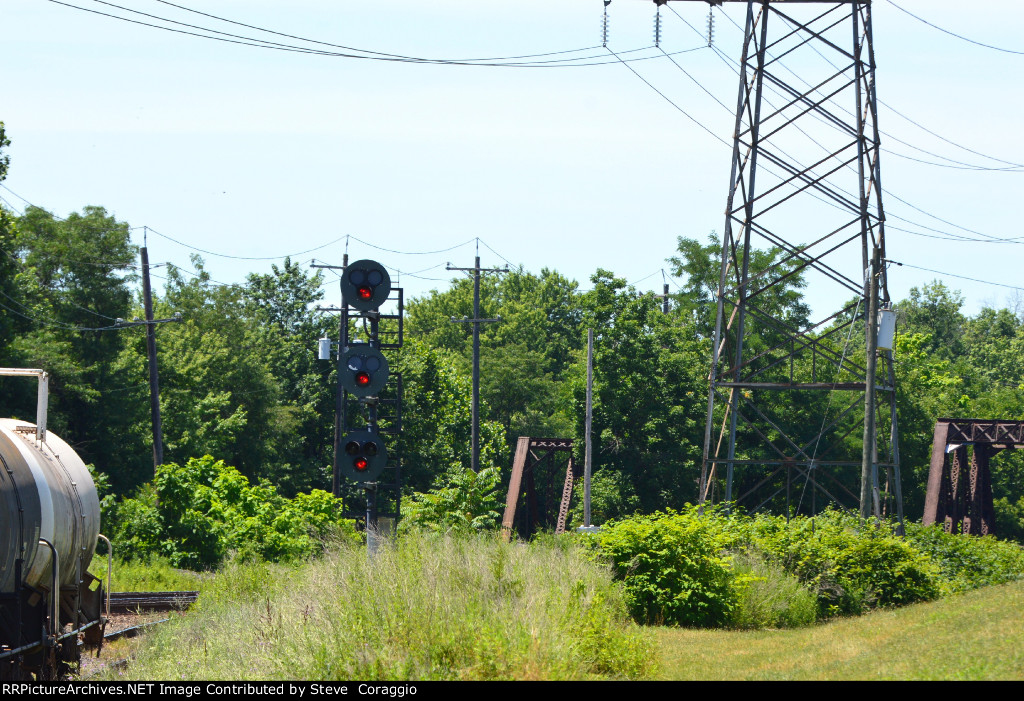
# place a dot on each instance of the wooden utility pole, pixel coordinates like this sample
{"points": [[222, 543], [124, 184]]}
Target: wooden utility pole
{"points": [[154, 380], [476, 321], [869, 462], [588, 457]]}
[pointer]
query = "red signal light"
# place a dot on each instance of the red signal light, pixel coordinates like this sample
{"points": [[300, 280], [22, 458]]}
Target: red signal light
{"points": [[364, 292], [362, 378], [360, 464]]}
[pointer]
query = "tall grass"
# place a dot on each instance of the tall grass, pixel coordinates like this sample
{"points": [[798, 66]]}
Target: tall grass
{"points": [[768, 596], [425, 607]]}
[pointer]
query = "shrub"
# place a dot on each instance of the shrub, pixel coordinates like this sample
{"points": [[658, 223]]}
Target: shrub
{"points": [[468, 501], [765, 571], [849, 566], [672, 568], [1010, 519], [967, 562], [194, 515]]}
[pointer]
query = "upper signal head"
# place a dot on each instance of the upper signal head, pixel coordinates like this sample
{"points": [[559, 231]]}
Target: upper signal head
{"points": [[365, 285]]}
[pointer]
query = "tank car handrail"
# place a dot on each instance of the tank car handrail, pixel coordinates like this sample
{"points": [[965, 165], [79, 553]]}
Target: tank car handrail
{"points": [[55, 588], [110, 566], [42, 395]]}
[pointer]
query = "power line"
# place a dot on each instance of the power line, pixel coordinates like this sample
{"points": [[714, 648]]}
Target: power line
{"points": [[507, 261], [349, 48], [962, 277], [410, 253], [954, 34], [413, 274], [234, 257], [670, 101], [57, 324], [987, 238], [366, 55], [1013, 166]]}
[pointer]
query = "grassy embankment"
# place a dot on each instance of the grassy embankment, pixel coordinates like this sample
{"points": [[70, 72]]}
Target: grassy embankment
{"points": [[424, 608], [975, 635], [442, 608]]}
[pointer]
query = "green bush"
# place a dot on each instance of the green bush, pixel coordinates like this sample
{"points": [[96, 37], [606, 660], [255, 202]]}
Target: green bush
{"points": [[967, 562], [1010, 519], [195, 515], [468, 501], [672, 567], [851, 567], [765, 571]]}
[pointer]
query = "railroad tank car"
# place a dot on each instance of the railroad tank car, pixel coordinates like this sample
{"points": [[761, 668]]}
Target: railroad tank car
{"points": [[49, 514]]}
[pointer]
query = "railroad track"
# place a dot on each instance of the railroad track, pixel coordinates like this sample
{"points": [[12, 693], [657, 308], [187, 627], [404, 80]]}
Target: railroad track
{"points": [[128, 601]]}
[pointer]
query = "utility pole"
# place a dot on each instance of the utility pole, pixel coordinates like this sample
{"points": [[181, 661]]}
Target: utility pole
{"points": [[663, 297], [476, 321], [869, 462], [588, 455], [339, 392], [154, 379]]}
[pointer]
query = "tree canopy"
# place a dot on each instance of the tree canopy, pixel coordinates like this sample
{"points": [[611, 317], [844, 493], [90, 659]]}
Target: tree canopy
{"points": [[240, 381]]}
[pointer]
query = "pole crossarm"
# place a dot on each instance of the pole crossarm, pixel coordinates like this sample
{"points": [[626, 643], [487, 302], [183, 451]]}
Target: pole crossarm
{"points": [[805, 185]]}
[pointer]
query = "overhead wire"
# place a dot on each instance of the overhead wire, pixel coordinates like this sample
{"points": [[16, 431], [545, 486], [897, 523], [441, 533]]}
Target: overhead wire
{"points": [[375, 56], [962, 277], [1012, 166], [954, 34], [414, 274], [51, 322], [616, 55], [237, 257], [671, 102], [350, 48], [985, 237], [410, 253]]}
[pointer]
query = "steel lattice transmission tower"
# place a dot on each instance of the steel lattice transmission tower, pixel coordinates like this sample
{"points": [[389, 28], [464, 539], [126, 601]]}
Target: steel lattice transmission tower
{"points": [[792, 417]]}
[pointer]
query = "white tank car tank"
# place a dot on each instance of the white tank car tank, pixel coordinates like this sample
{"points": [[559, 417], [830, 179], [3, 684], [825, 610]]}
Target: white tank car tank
{"points": [[45, 492]]}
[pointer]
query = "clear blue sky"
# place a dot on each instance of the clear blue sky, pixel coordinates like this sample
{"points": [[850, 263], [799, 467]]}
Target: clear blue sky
{"points": [[253, 152]]}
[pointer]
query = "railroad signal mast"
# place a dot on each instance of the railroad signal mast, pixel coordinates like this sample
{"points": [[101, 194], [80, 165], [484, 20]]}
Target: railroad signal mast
{"points": [[361, 455]]}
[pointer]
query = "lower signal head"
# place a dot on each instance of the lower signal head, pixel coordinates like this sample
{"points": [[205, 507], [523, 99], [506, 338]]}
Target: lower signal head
{"points": [[367, 456]]}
